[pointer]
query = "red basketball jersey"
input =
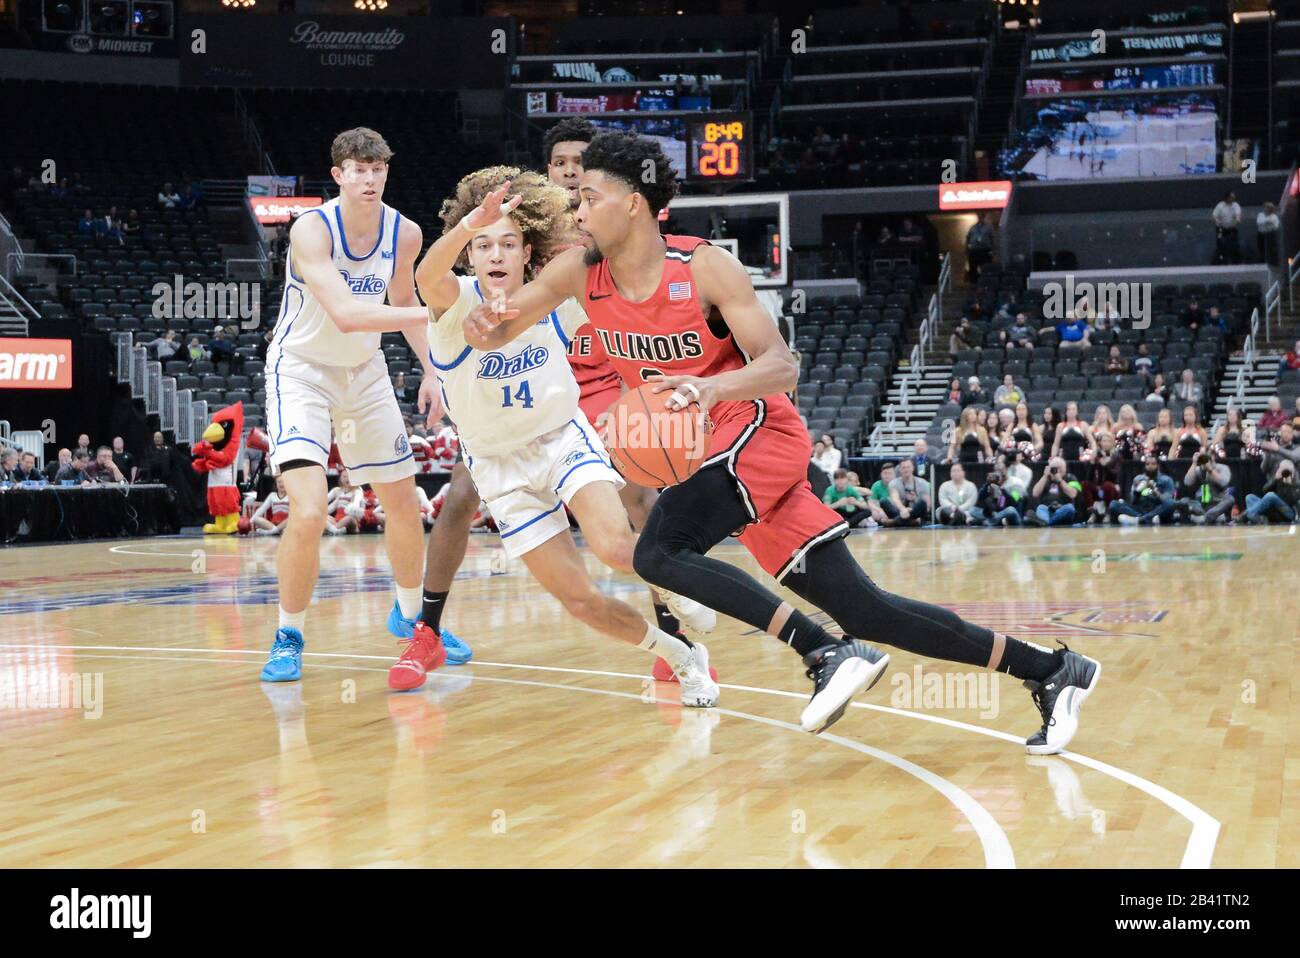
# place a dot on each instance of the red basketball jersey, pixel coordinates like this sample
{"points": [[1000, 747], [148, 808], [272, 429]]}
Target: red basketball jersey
{"points": [[591, 367], [669, 333]]}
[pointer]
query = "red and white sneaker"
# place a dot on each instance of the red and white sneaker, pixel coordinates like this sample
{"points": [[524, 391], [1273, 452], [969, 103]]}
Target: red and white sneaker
{"points": [[423, 654], [663, 672]]}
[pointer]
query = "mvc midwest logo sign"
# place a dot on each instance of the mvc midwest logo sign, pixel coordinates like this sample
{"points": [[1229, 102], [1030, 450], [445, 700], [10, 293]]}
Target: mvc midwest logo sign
{"points": [[983, 195], [35, 363]]}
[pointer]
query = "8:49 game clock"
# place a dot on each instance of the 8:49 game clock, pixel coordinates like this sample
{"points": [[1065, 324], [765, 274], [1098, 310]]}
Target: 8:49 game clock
{"points": [[719, 148]]}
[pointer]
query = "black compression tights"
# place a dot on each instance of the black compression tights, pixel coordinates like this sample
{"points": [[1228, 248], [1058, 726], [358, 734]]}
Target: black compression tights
{"points": [[690, 519]]}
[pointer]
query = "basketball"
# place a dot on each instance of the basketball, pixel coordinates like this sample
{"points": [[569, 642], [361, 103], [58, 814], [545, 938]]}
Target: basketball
{"points": [[245, 527], [652, 445]]}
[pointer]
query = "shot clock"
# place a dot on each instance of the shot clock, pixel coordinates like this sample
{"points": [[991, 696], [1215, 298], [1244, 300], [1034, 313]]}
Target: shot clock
{"points": [[719, 148]]}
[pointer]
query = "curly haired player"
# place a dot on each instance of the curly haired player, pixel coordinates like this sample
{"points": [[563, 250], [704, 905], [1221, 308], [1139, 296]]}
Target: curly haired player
{"points": [[528, 448], [678, 312]]}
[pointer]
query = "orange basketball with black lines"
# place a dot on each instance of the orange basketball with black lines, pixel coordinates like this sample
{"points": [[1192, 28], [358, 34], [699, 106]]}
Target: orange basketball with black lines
{"points": [[653, 445]]}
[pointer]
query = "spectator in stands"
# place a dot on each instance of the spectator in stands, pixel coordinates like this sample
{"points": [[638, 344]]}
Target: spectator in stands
{"points": [[819, 448], [880, 497], [1054, 494], [83, 443], [124, 460], [168, 198], [957, 498], [26, 470], [220, 347], [280, 243], [964, 336], [1160, 392], [975, 394], [156, 463], [8, 465], [1144, 364], [103, 468], [970, 440], [75, 470], [1192, 317], [86, 225], [921, 458], [909, 234], [1102, 485], [131, 225], [1116, 364], [954, 392], [61, 190], [1188, 389], [994, 505], [1207, 483], [1102, 422], [1021, 334], [1214, 319], [832, 455], [886, 236], [1267, 225], [1272, 419], [187, 198], [911, 495], [1150, 498], [979, 247], [198, 200], [64, 460], [1283, 447], [1227, 220], [165, 346], [1073, 332], [405, 392], [1106, 326], [196, 351], [105, 224], [1290, 360], [1008, 394], [846, 500], [1280, 498]]}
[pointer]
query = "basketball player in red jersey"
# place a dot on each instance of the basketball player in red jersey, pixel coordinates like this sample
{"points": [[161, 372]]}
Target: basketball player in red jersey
{"points": [[599, 383], [680, 313]]}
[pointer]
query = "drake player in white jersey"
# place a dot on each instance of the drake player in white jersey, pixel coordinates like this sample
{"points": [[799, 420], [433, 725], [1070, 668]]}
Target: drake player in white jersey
{"points": [[527, 445], [324, 369]]}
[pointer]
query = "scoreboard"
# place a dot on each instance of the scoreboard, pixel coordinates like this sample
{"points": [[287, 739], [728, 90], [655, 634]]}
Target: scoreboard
{"points": [[720, 148]]}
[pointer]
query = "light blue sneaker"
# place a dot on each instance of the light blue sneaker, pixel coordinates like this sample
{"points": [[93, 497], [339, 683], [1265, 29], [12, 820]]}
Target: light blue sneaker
{"points": [[285, 663], [458, 653]]}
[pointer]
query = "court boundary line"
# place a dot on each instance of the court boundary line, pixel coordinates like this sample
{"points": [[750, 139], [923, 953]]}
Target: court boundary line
{"points": [[1198, 853], [992, 837]]}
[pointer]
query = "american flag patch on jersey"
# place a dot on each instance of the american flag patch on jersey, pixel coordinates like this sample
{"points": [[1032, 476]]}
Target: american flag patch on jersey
{"points": [[679, 290]]}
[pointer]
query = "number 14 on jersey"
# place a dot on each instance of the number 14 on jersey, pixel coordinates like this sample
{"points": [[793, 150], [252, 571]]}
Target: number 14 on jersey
{"points": [[523, 395]]}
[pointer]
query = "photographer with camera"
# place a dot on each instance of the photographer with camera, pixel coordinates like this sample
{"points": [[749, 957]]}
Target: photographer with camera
{"points": [[1054, 493], [994, 506], [1209, 501], [1150, 498], [1280, 498]]}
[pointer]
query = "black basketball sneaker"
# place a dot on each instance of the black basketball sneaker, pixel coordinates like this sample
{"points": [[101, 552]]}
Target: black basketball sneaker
{"points": [[1059, 698], [839, 671]]}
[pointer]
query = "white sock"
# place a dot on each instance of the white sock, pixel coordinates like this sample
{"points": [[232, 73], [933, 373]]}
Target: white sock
{"points": [[292, 620], [410, 601], [668, 647]]}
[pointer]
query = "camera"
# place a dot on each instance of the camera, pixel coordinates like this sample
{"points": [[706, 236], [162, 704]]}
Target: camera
{"points": [[1203, 459]]}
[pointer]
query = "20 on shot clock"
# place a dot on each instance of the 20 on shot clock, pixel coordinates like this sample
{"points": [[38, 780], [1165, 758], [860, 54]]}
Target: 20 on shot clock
{"points": [[720, 148]]}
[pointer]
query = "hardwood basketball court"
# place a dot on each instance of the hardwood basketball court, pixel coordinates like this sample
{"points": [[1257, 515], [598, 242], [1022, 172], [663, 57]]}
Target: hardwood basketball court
{"points": [[553, 748]]}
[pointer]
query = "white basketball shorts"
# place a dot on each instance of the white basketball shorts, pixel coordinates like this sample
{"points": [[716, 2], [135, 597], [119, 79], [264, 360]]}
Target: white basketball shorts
{"points": [[307, 403], [526, 490]]}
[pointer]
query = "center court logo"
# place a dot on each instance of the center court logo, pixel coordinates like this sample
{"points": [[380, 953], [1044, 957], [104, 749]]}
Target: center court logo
{"points": [[500, 366], [77, 911]]}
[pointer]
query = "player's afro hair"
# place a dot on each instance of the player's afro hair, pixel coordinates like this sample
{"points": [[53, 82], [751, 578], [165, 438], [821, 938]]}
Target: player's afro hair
{"points": [[543, 216], [637, 161], [572, 129]]}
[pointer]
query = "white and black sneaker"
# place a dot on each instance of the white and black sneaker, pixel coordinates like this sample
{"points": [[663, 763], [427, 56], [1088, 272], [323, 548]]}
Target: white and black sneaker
{"points": [[839, 671], [1059, 698], [699, 691]]}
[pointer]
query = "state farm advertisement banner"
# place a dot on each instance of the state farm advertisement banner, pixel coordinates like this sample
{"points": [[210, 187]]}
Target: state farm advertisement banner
{"points": [[269, 210], [35, 363], [982, 195]]}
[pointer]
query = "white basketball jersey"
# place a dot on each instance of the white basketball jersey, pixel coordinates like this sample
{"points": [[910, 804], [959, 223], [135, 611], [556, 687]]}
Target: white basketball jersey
{"points": [[502, 399], [303, 328]]}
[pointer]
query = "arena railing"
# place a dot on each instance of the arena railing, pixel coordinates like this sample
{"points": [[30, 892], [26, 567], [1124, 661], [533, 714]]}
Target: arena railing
{"points": [[176, 409], [1272, 303], [1292, 277]]}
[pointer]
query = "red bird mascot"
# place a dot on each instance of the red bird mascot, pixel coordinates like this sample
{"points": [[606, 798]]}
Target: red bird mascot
{"points": [[216, 456]]}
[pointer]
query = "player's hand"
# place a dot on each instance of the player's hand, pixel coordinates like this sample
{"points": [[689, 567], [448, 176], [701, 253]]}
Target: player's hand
{"points": [[430, 396], [684, 390], [481, 324], [492, 208]]}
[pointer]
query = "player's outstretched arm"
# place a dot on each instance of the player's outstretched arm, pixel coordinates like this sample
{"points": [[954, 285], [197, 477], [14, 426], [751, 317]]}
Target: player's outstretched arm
{"points": [[772, 368], [312, 248], [491, 325], [437, 282]]}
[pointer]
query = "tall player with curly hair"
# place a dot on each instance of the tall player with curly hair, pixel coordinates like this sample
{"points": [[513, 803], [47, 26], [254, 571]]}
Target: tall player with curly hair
{"points": [[527, 446], [639, 287]]}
